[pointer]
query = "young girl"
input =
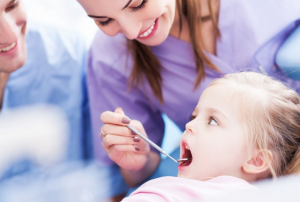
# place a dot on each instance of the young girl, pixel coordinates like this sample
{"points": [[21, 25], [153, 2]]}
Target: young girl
{"points": [[245, 128]]}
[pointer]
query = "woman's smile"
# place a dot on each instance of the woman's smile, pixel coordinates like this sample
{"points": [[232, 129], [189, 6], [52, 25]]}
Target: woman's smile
{"points": [[150, 31]]}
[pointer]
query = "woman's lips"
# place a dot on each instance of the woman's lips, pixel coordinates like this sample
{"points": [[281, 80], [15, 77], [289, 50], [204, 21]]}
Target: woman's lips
{"points": [[150, 31]]}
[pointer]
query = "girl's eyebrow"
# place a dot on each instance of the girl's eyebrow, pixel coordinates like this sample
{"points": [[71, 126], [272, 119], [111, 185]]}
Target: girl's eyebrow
{"points": [[94, 16], [217, 111]]}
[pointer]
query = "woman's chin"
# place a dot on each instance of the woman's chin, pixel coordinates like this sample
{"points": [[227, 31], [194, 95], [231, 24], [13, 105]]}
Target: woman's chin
{"points": [[155, 40]]}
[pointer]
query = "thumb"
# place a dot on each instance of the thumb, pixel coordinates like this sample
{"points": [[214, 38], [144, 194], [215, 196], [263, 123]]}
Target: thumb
{"points": [[119, 110]]}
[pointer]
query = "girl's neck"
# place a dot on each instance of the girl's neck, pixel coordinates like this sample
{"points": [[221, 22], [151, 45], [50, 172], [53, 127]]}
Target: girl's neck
{"points": [[3, 79], [207, 31]]}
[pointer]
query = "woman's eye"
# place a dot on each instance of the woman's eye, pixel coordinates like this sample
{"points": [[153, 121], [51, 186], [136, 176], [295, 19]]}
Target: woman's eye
{"points": [[10, 8], [213, 122], [104, 23], [142, 5]]}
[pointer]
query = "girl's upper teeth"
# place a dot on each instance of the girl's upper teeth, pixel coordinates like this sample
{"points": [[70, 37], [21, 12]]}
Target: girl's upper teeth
{"points": [[8, 47], [145, 34]]}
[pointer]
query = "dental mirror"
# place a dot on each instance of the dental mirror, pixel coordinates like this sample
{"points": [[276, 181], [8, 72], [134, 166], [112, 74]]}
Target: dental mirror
{"points": [[184, 159]]}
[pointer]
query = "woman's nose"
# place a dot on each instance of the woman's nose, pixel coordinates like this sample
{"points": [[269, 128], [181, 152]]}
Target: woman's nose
{"points": [[129, 28], [8, 30]]}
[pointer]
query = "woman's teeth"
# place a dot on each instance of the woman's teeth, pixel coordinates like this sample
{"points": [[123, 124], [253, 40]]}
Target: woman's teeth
{"points": [[8, 48], [145, 34]]}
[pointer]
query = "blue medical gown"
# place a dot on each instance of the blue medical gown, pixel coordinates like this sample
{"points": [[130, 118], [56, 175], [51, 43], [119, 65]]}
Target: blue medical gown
{"points": [[54, 73]]}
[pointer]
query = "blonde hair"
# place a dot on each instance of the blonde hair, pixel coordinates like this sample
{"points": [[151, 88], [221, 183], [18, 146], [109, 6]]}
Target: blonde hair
{"points": [[271, 115]]}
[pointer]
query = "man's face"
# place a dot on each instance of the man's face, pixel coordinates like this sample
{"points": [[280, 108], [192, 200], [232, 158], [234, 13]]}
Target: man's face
{"points": [[12, 35]]}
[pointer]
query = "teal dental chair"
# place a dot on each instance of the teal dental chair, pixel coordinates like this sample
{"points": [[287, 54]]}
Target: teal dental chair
{"points": [[288, 55]]}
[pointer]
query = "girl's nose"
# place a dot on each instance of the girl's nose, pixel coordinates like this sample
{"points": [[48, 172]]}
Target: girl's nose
{"points": [[188, 127]]}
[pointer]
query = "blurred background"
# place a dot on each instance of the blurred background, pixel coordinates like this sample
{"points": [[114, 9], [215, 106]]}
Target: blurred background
{"points": [[63, 13]]}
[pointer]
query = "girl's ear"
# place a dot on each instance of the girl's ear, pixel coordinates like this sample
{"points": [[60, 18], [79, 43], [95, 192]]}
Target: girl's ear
{"points": [[258, 162]]}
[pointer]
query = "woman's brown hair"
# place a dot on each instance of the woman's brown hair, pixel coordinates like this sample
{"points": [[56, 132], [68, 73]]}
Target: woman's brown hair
{"points": [[146, 65]]}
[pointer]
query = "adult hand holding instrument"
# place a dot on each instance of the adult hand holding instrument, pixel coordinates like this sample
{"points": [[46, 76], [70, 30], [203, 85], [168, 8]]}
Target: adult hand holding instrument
{"points": [[154, 145]]}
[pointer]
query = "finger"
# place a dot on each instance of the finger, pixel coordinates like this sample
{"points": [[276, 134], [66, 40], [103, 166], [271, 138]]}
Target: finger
{"points": [[138, 126], [119, 110], [109, 117], [124, 148], [111, 140], [117, 130]]}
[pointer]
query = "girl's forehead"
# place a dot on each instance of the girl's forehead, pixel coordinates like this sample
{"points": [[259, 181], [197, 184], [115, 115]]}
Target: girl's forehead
{"points": [[222, 98]]}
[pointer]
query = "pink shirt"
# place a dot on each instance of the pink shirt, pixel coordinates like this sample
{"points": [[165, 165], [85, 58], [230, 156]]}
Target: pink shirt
{"points": [[182, 190]]}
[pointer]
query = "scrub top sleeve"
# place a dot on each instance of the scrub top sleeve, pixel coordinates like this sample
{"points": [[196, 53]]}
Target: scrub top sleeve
{"points": [[86, 120], [108, 89]]}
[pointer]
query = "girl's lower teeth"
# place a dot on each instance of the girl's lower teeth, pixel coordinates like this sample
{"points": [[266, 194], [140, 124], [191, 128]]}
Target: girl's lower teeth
{"points": [[186, 163]]}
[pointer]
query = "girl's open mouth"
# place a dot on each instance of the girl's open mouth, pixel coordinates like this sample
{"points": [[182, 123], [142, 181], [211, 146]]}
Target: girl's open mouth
{"points": [[186, 154]]}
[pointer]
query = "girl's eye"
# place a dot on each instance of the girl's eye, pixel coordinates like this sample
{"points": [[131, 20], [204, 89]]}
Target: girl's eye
{"points": [[192, 117], [212, 121], [10, 8], [142, 5], [104, 23]]}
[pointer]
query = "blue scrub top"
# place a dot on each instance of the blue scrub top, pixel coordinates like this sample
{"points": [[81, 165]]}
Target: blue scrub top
{"points": [[54, 73]]}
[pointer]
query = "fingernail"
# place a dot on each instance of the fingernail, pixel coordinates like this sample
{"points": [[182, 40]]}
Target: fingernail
{"points": [[136, 148], [125, 120], [132, 133], [136, 139]]}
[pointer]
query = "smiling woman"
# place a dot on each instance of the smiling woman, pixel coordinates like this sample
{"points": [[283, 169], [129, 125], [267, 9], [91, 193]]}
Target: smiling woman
{"points": [[134, 18]]}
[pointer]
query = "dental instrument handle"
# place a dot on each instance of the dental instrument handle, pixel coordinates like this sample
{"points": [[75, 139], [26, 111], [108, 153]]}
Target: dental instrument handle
{"points": [[149, 141]]}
